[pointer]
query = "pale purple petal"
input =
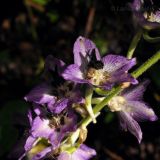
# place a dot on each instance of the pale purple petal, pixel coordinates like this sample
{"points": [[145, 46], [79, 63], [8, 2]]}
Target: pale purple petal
{"points": [[135, 93], [83, 47], [82, 153], [73, 73], [55, 139], [42, 154], [125, 77], [30, 117], [41, 128], [128, 123], [60, 105], [113, 63], [64, 156], [140, 111], [41, 94], [127, 64], [29, 143]]}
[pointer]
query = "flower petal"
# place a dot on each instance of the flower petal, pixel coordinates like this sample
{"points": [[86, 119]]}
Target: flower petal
{"points": [[113, 63], [140, 111], [30, 117], [41, 94], [73, 73], [123, 77], [60, 105], [29, 143], [83, 153], [64, 156], [128, 123], [41, 128], [83, 47], [135, 93]]}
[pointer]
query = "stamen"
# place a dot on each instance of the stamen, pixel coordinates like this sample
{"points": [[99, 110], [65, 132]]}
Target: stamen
{"points": [[97, 77], [116, 103]]}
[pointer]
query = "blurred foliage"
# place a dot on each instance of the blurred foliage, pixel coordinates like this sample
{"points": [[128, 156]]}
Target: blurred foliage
{"points": [[11, 115]]}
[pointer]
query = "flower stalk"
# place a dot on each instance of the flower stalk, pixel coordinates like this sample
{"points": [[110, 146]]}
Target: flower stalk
{"points": [[134, 44], [88, 98], [144, 67]]}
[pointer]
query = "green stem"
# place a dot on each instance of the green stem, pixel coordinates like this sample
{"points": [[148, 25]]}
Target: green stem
{"points": [[88, 98], [145, 66], [134, 44], [97, 100], [150, 39], [101, 105], [101, 92]]}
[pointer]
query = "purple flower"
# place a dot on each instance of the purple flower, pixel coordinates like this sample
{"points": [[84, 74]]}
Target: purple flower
{"points": [[148, 19], [55, 92], [89, 68], [131, 109], [82, 153], [46, 134]]}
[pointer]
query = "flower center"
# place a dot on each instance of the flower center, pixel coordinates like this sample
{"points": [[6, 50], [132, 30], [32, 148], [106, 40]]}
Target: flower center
{"points": [[57, 121], [116, 103], [97, 76], [152, 17], [65, 90]]}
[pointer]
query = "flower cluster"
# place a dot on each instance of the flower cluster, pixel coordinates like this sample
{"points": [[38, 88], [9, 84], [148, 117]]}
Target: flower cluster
{"points": [[59, 103], [147, 17]]}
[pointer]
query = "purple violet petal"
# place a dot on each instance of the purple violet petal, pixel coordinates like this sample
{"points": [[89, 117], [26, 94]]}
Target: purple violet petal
{"points": [[41, 94], [128, 123], [73, 73], [60, 105], [29, 143], [135, 93], [140, 111], [41, 128], [82, 47], [113, 63], [64, 156], [125, 77], [30, 117]]}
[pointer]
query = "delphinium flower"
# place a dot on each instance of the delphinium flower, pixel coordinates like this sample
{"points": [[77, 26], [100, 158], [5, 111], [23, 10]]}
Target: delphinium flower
{"points": [[54, 92], [90, 68], [47, 132], [148, 18], [131, 108]]}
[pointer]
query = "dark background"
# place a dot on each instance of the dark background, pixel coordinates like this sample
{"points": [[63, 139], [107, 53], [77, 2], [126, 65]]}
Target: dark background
{"points": [[32, 29]]}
